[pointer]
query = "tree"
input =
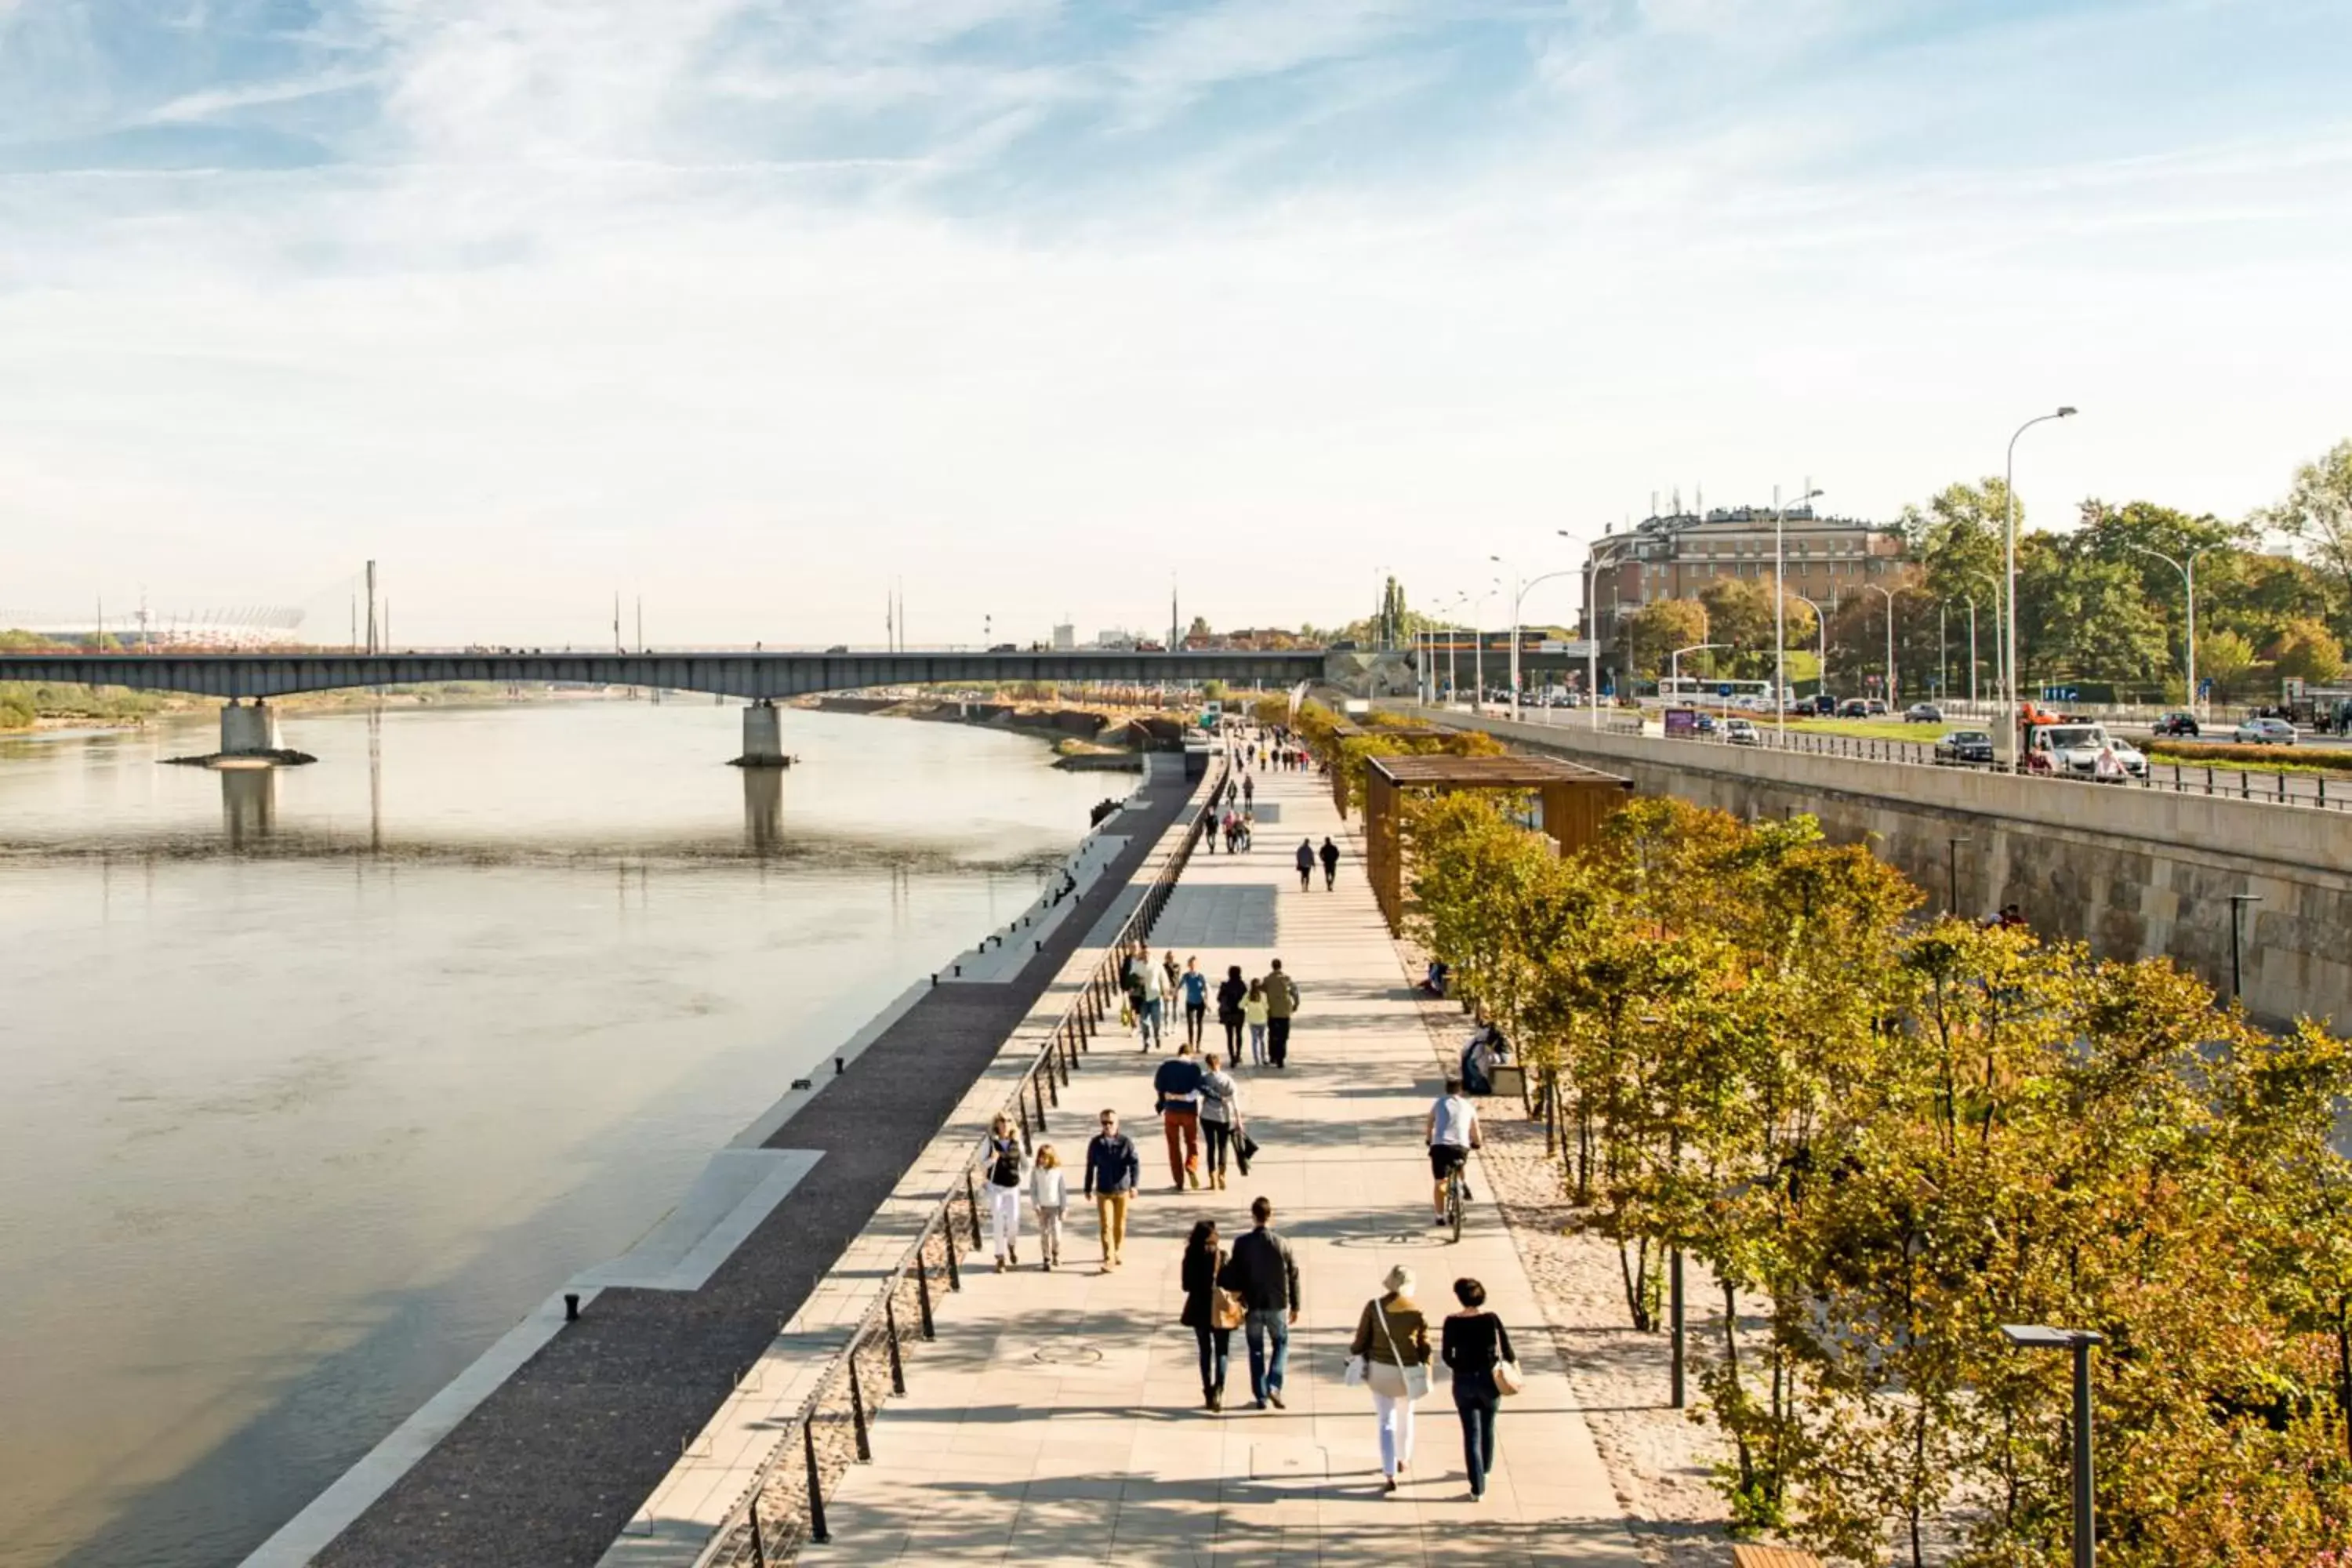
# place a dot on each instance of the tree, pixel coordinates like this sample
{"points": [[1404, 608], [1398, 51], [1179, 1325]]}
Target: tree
{"points": [[2223, 657], [2309, 651], [2317, 515], [1663, 625], [1957, 538], [1739, 612]]}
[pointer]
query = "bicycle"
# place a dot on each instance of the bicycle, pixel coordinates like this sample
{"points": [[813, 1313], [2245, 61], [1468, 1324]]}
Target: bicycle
{"points": [[1458, 1196]]}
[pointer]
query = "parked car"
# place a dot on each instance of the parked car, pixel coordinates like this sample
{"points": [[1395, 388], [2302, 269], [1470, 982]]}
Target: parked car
{"points": [[2176, 724], [1875, 707], [1922, 714], [1741, 733], [1853, 707], [2075, 750], [2134, 760], [1705, 724], [2265, 732], [1822, 706], [1963, 748]]}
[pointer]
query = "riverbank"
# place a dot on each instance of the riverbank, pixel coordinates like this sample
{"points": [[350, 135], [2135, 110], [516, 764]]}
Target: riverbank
{"points": [[564, 1432]]}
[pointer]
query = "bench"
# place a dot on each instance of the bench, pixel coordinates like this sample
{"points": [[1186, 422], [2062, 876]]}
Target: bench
{"points": [[1773, 1557]]}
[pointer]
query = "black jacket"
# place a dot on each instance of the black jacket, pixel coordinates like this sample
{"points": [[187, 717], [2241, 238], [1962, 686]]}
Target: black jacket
{"points": [[1230, 997], [1262, 1272], [1198, 1276]]}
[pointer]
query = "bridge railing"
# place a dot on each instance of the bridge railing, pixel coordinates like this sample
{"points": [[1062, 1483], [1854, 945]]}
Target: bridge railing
{"points": [[833, 1429]]}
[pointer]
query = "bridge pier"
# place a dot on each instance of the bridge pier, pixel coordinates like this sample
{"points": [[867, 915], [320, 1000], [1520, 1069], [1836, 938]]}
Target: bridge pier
{"points": [[763, 737], [249, 732]]}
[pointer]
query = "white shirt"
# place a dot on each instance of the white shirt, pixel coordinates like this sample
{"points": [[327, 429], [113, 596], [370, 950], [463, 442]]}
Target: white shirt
{"points": [[1047, 1189], [1455, 1117]]}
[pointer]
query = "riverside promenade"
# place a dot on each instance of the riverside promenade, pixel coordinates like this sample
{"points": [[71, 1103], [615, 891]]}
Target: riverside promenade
{"points": [[1057, 1417]]}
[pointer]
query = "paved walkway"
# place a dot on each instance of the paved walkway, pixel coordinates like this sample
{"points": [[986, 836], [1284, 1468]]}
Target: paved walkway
{"points": [[1057, 1419]]}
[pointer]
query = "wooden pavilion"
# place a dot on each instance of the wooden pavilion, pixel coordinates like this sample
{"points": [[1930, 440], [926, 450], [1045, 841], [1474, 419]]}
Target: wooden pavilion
{"points": [[1572, 799]]}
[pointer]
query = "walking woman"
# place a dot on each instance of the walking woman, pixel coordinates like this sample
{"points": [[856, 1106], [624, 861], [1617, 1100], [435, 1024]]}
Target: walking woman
{"points": [[1254, 1013], [1212, 1325], [1474, 1342], [1231, 993], [1005, 1176], [1392, 1343], [1221, 1116]]}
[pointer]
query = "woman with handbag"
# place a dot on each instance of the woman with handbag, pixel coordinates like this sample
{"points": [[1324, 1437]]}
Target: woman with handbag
{"points": [[1212, 1313], [1231, 993], [1392, 1357], [1478, 1348]]}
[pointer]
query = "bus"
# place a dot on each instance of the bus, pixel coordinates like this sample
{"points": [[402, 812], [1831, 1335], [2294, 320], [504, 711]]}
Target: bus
{"points": [[1710, 691]]}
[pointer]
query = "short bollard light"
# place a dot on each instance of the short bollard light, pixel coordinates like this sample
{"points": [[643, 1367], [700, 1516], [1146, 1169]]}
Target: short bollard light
{"points": [[572, 1306]]}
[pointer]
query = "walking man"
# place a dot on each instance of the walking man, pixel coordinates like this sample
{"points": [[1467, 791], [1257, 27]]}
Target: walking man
{"points": [[1452, 1133], [1178, 1084], [1330, 862], [1281, 1003], [1306, 863], [1113, 1169], [1264, 1274], [1147, 1010]]}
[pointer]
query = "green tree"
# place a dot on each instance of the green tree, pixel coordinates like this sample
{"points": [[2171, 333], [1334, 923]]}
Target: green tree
{"points": [[1660, 626], [2223, 657], [2309, 650], [2316, 514]]}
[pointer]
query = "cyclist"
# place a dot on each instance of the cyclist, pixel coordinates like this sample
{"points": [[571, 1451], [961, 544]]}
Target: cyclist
{"points": [[1453, 1133]]}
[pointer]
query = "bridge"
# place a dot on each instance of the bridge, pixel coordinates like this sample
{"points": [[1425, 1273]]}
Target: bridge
{"points": [[759, 676]]}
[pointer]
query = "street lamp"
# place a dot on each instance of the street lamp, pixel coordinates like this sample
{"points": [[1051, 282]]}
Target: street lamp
{"points": [[1592, 569], [1517, 598], [1889, 597], [1781, 610], [2034, 1336], [1821, 630], [2007, 734], [1478, 649], [2187, 567], [1675, 660]]}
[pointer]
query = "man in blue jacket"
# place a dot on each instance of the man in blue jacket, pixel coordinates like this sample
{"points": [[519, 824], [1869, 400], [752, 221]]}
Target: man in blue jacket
{"points": [[1178, 1084], [1113, 1169]]}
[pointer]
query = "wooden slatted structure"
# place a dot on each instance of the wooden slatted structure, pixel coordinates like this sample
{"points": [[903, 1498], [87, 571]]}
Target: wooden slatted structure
{"points": [[1573, 800], [1348, 729], [1773, 1557]]}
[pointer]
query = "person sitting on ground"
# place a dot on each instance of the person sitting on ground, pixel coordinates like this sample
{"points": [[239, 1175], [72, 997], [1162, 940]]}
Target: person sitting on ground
{"points": [[1433, 982], [1486, 1049]]}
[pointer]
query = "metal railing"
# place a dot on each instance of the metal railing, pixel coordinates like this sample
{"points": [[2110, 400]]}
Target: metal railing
{"points": [[785, 1503]]}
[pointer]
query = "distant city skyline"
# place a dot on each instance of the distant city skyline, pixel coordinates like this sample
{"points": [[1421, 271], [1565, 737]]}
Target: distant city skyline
{"points": [[755, 313]]}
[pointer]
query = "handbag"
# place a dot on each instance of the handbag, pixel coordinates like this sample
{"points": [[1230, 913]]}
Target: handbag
{"points": [[1411, 1381], [1244, 1149], [1226, 1311], [1509, 1379], [1357, 1368]]}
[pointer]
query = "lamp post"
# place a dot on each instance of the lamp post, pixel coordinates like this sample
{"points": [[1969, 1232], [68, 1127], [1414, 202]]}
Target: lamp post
{"points": [[2187, 567], [1675, 660], [1592, 569], [2238, 902], [1822, 630], [1478, 649], [1516, 599], [1781, 610], [2006, 735], [1888, 595], [2034, 1336]]}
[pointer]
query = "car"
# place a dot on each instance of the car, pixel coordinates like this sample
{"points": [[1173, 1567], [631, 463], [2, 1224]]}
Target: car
{"points": [[2265, 732], [2078, 750], [1962, 748], [1875, 707], [1853, 707], [1704, 723], [1922, 714], [2175, 724], [1742, 733], [2135, 762], [1823, 706]]}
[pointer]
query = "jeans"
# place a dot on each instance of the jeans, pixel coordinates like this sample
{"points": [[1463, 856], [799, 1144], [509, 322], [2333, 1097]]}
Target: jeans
{"points": [[1195, 1013], [1257, 1045], [1148, 1016], [1266, 1369], [1474, 1401], [1184, 1131], [1395, 1416], [1003, 1218], [1278, 1040], [1215, 1343], [1220, 1138]]}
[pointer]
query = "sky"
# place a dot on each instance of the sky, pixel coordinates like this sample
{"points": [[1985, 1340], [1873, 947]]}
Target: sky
{"points": [[751, 310]]}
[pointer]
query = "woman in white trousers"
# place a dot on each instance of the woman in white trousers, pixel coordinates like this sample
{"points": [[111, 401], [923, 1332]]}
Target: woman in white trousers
{"points": [[1393, 1345], [1005, 1176]]}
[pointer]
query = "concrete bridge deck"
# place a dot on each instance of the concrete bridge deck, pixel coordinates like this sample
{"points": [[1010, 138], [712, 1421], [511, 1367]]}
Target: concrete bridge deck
{"points": [[1057, 1419]]}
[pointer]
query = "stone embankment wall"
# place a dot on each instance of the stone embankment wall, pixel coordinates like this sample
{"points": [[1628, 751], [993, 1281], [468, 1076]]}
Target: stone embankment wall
{"points": [[2133, 872]]}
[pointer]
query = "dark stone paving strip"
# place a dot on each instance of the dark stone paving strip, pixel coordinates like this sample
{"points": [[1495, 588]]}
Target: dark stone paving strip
{"points": [[546, 1470]]}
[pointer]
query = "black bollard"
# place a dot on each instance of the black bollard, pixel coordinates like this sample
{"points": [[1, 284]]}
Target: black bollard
{"points": [[572, 1306], [838, 1067]]}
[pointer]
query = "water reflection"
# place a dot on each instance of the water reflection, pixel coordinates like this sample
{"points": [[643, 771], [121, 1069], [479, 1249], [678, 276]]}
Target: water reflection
{"points": [[248, 804], [763, 809]]}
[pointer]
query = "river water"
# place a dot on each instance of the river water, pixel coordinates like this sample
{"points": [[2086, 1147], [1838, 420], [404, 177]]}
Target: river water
{"points": [[313, 1081]]}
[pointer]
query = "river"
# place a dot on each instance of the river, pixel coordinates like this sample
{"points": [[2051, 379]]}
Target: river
{"points": [[313, 1081]]}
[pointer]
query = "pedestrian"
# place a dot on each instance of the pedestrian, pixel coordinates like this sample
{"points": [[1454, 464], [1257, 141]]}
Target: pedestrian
{"points": [[1248, 825], [1330, 862], [1281, 1005], [1232, 992], [1221, 1116], [1210, 1311], [1148, 1009], [1249, 788], [1195, 986], [1004, 1178], [1113, 1170], [1477, 1348], [1392, 1351], [1178, 1085], [1254, 1013], [1305, 858], [1263, 1273], [1049, 1194]]}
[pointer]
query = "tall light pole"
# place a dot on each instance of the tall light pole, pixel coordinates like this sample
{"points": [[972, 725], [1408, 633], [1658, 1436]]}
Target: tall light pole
{"points": [[2187, 567], [1519, 598], [2006, 736], [1478, 648], [1592, 569], [1888, 595], [1821, 630], [1781, 610]]}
